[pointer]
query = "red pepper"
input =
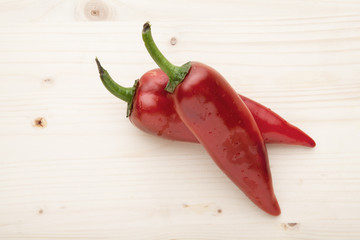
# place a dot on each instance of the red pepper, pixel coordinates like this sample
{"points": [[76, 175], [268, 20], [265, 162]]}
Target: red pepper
{"points": [[151, 109], [222, 123]]}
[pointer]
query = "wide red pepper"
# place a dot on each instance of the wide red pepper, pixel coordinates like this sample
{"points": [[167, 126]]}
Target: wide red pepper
{"points": [[151, 109], [222, 123]]}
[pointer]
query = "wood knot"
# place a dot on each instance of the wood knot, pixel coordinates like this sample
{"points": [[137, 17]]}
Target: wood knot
{"points": [[96, 11], [290, 226], [47, 82], [173, 41], [40, 122]]}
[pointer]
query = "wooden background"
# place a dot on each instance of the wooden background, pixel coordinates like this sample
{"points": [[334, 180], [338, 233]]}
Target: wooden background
{"points": [[73, 167]]}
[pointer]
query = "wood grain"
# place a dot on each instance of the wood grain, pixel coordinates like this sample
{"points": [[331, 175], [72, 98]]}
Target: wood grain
{"points": [[73, 167]]}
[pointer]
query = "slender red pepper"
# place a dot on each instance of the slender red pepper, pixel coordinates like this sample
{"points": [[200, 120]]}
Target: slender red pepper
{"points": [[222, 123], [151, 109]]}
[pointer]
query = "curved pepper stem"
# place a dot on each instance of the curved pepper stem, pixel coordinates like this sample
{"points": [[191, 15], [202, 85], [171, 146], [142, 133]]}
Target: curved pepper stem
{"points": [[125, 94], [176, 74]]}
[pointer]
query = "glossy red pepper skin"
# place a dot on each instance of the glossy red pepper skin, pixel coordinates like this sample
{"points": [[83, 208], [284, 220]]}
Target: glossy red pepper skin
{"points": [[222, 123], [153, 109], [153, 112]]}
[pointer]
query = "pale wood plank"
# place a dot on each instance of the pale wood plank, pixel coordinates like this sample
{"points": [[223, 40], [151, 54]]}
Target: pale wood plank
{"points": [[89, 174]]}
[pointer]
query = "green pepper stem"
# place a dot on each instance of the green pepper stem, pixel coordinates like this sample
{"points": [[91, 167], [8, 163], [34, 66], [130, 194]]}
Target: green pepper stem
{"points": [[176, 74], [125, 94]]}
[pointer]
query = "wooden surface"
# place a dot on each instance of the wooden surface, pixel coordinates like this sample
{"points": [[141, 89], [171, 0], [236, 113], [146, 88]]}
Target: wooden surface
{"points": [[73, 167]]}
